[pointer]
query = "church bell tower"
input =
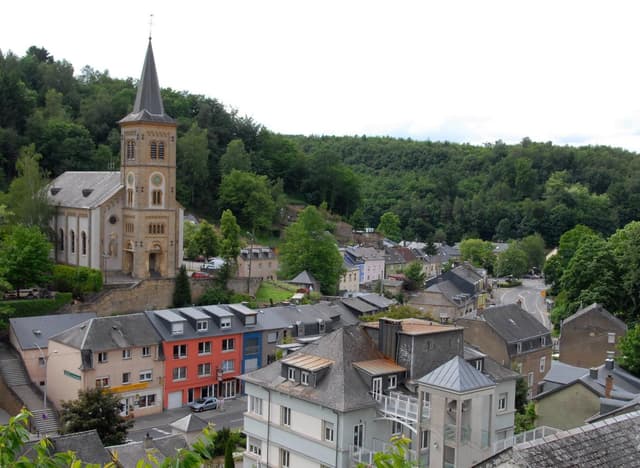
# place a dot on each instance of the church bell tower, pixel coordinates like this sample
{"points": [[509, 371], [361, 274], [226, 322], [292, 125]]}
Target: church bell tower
{"points": [[152, 218]]}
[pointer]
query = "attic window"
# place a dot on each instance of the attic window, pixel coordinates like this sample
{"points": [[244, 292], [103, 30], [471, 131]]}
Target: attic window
{"points": [[55, 191], [86, 192]]}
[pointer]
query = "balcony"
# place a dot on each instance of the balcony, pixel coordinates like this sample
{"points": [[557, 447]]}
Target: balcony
{"points": [[366, 455], [401, 407], [528, 436]]}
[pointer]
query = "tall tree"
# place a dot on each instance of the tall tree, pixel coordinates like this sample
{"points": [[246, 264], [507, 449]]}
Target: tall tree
{"points": [[182, 289], [513, 261], [309, 246], [24, 257], [389, 226], [95, 409], [629, 350], [27, 198], [192, 163], [236, 157], [249, 197], [478, 252]]}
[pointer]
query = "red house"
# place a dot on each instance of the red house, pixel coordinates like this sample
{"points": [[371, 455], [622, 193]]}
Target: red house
{"points": [[202, 353]]}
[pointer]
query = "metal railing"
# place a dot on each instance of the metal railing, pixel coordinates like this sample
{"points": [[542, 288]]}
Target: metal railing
{"points": [[528, 436], [400, 406], [366, 455]]}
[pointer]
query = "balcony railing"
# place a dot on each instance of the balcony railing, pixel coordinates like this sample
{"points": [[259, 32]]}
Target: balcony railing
{"points": [[401, 407], [365, 455], [528, 436]]}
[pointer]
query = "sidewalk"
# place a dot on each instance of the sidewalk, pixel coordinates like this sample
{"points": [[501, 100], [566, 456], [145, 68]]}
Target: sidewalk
{"points": [[234, 405]]}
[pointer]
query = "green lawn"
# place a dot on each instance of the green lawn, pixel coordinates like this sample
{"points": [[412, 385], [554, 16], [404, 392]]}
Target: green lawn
{"points": [[276, 291]]}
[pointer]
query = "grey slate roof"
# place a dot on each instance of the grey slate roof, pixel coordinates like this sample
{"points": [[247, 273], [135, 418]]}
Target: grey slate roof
{"points": [[595, 308], [498, 372], [161, 448], [456, 375], [513, 323], [189, 423], [303, 278], [562, 373], [148, 106], [612, 442], [377, 300], [342, 387], [71, 189], [359, 305], [114, 332], [30, 331], [87, 446], [448, 289]]}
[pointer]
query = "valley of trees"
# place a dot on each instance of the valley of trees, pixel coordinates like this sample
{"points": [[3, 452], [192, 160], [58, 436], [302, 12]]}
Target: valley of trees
{"points": [[438, 190]]}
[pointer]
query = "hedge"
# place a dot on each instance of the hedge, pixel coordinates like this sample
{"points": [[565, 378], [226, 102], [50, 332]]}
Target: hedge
{"points": [[77, 280], [32, 307]]}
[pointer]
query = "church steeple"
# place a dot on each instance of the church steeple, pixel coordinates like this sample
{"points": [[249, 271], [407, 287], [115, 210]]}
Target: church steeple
{"points": [[148, 106]]}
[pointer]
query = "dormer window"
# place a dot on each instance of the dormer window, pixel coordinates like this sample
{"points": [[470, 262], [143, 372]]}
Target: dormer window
{"points": [[321, 326], [478, 364], [543, 341], [393, 381], [250, 320], [304, 378], [518, 348], [177, 328], [202, 325], [225, 322], [291, 374]]}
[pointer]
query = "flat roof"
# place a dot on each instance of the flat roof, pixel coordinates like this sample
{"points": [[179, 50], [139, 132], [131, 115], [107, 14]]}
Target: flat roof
{"points": [[194, 313], [307, 362], [217, 311], [379, 366], [413, 326], [169, 315], [242, 309]]}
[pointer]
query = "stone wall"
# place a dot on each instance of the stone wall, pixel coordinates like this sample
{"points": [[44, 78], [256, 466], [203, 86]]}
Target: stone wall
{"points": [[152, 294], [9, 401]]}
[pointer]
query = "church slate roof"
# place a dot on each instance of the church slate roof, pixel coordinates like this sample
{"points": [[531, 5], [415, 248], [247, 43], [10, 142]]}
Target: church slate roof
{"points": [[87, 189], [148, 106], [457, 375]]}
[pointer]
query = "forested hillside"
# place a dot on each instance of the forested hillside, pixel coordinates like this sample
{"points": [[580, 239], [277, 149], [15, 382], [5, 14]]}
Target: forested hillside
{"points": [[441, 191]]}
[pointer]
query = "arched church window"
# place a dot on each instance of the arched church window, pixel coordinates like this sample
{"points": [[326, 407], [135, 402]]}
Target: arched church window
{"points": [[61, 240], [83, 242], [72, 241], [131, 149], [156, 198], [154, 150], [161, 150]]}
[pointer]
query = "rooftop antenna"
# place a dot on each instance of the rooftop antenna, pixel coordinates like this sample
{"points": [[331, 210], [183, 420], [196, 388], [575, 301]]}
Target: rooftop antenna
{"points": [[150, 24]]}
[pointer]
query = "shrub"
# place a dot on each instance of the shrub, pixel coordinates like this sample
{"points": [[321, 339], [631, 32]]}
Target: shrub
{"points": [[77, 280], [31, 307]]}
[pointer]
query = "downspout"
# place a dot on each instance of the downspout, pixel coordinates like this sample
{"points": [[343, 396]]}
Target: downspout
{"points": [[338, 421], [268, 424]]}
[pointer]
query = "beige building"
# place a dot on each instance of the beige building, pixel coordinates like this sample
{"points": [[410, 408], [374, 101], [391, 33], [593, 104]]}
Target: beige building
{"points": [[349, 280], [258, 262], [126, 221], [118, 353]]}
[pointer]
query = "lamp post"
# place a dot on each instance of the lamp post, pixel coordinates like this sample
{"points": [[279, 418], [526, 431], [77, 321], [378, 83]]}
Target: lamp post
{"points": [[44, 359]]}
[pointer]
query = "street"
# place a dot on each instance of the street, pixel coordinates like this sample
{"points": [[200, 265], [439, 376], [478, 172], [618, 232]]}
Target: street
{"points": [[158, 425], [530, 296]]}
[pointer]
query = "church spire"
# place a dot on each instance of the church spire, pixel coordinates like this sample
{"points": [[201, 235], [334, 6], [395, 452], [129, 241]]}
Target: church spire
{"points": [[148, 106]]}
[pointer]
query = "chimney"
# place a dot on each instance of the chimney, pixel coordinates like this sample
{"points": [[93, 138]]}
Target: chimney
{"points": [[608, 386], [593, 373], [608, 363], [147, 443]]}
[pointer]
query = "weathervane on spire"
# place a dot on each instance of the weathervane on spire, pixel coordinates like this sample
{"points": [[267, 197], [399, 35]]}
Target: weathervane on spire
{"points": [[150, 24]]}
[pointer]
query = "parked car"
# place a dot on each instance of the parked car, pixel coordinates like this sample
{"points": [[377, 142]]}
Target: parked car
{"points": [[200, 275], [204, 404]]}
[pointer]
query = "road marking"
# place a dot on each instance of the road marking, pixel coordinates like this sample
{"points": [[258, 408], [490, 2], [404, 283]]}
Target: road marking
{"points": [[161, 431]]}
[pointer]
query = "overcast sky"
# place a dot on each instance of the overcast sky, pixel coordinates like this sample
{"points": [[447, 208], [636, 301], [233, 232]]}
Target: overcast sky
{"points": [[465, 71]]}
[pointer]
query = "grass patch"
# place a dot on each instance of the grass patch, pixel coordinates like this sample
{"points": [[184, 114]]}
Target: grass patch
{"points": [[276, 291]]}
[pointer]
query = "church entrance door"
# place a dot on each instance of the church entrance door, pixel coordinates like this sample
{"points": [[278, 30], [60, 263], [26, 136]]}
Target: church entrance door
{"points": [[153, 264]]}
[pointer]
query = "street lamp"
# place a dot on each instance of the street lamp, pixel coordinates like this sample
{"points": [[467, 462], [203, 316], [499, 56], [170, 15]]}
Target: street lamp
{"points": [[44, 359]]}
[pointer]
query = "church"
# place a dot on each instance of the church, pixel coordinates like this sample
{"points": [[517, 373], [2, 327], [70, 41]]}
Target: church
{"points": [[127, 221]]}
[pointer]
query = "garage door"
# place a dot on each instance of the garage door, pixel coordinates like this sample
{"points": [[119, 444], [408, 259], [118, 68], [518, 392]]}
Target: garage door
{"points": [[175, 400]]}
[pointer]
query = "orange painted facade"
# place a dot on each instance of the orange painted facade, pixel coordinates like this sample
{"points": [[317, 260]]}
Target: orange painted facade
{"points": [[197, 369]]}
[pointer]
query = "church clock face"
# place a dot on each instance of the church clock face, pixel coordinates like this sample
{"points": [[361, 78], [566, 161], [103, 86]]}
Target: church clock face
{"points": [[156, 179]]}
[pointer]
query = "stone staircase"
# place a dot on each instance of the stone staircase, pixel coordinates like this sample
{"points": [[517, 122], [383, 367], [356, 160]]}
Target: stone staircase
{"points": [[16, 378]]}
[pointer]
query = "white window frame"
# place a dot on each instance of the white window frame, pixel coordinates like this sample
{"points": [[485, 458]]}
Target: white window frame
{"points": [[126, 353], [202, 325], [204, 369], [177, 328], [204, 348], [519, 347], [478, 364], [228, 365], [103, 357], [543, 341], [285, 416], [226, 342], [146, 351], [144, 401], [291, 374], [611, 338], [255, 405], [181, 373], [146, 375], [530, 379], [304, 377], [424, 439], [543, 363], [105, 382], [328, 431], [393, 382], [225, 322], [502, 402], [396, 428], [254, 446], [126, 378], [179, 354], [272, 337], [285, 458]]}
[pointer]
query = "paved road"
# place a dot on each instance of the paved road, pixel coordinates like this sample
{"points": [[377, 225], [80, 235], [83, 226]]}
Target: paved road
{"points": [[157, 425], [530, 295]]}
